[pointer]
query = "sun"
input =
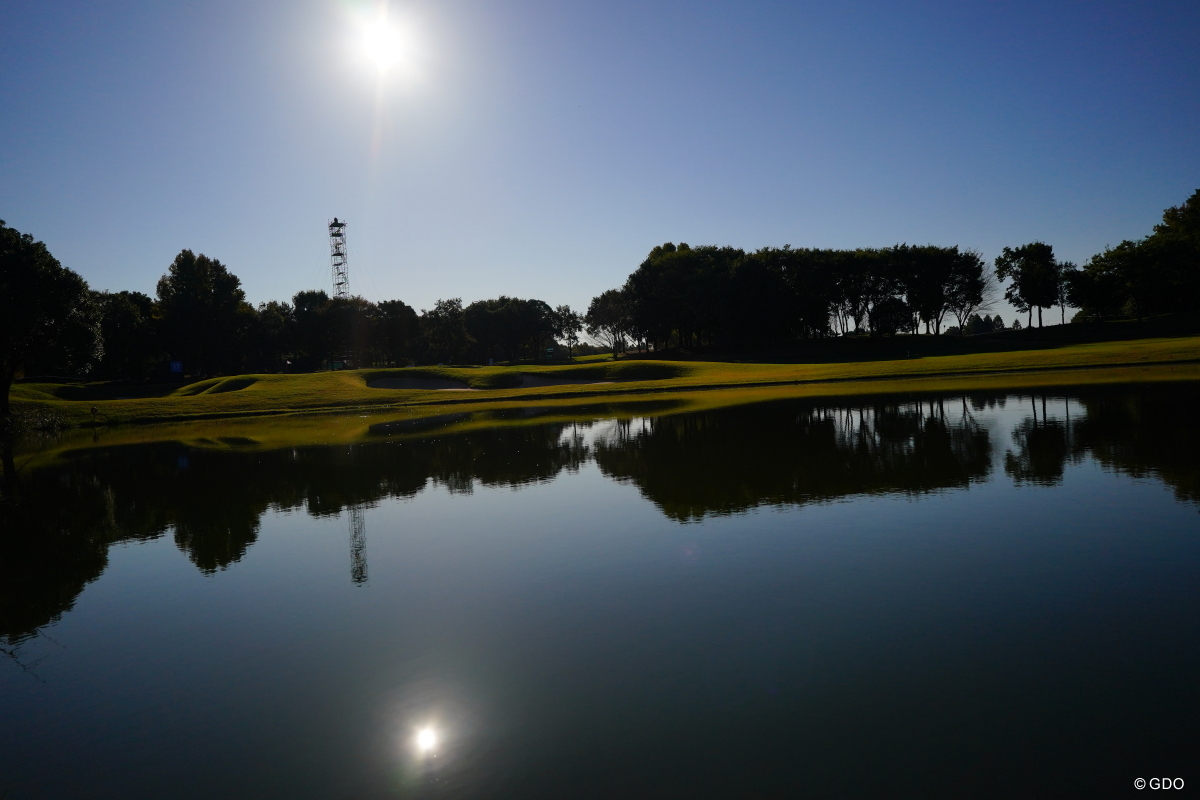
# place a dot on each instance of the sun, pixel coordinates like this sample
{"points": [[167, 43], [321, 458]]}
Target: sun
{"points": [[382, 42], [426, 741], [389, 46], [385, 43]]}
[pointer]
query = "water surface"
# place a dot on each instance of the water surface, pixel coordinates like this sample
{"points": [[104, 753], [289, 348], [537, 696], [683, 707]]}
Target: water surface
{"points": [[910, 596]]}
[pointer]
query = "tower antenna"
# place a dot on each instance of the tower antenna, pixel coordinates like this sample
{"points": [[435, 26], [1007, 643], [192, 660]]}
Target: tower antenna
{"points": [[337, 255]]}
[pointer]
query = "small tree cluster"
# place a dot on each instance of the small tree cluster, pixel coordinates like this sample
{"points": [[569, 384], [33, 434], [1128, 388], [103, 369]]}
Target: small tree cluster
{"points": [[977, 325]]}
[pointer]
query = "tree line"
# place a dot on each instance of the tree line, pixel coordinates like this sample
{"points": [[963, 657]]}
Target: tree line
{"points": [[200, 317], [683, 296], [679, 296]]}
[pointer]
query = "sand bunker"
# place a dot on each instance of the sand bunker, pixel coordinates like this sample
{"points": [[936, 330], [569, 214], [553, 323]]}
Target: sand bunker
{"points": [[528, 381], [444, 384], [538, 381]]}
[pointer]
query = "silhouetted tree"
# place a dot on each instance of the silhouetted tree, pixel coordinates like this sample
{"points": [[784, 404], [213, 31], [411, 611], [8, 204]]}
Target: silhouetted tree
{"points": [[204, 313], [270, 344], [510, 327], [397, 330], [48, 320], [810, 291], [312, 338], [972, 286], [757, 306], [862, 278], [1155, 275], [925, 275], [985, 324], [130, 335], [889, 315], [350, 329], [608, 320], [567, 325], [1034, 275], [443, 330]]}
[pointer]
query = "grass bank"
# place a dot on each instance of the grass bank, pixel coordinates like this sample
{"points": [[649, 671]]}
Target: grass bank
{"points": [[342, 427], [241, 396]]}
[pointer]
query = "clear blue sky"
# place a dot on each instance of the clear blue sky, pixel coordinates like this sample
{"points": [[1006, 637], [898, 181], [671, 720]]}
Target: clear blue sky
{"points": [[541, 149]]}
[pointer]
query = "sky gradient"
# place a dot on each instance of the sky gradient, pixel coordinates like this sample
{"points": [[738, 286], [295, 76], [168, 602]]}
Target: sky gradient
{"points": [[542, 149]]}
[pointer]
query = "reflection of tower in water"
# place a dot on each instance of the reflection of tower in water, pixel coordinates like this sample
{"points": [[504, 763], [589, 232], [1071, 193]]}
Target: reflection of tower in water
{"points": [[358, 546]]}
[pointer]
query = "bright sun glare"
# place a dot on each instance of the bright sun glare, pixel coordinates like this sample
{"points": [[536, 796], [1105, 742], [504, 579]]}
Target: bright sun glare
{"points": [[385, 43], [381, 42], [426, 740]]}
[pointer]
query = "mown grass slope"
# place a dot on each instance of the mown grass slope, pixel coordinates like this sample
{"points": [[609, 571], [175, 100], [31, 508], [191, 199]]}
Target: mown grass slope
{"points": [[253, 395]]}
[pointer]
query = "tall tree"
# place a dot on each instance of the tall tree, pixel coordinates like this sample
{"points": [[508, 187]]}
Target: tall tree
{"points": [[1182, 221], [931, 279], [1066, 271], [47, 321], [396, 332], [130, 335], [567, 325], [311, 338], [607, 319], [271, 345], [1034, 275], [510, 327], [757, 306], [810, 290], [971, 286], [350, 328], [862, 278], [444, 331], [1156, 275], [203, 312]]}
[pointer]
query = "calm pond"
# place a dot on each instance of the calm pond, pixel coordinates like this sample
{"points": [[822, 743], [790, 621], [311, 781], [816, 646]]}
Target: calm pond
{"points": [[908, 596]]}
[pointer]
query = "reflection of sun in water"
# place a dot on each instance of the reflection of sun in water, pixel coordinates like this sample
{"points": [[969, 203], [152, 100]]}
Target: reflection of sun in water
{"points": [[426, 740]]}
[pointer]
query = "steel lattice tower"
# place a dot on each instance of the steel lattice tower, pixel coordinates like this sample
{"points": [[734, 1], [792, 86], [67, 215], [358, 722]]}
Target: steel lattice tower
{"points": [[337, 255]]}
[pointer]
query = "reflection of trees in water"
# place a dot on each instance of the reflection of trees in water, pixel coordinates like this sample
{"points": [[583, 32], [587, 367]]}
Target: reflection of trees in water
{"points": [[1144, 431], [1042, 448], [786, 453], [56, 538], [1141, 431]]}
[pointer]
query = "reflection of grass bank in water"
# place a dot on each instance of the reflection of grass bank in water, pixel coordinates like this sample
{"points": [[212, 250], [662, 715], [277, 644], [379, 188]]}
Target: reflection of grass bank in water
{"points": [[451, 416], [260, 395]]}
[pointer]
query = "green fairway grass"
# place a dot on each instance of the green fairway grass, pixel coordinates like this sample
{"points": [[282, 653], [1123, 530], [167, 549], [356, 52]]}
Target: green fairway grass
{"points": [[266, 395]]}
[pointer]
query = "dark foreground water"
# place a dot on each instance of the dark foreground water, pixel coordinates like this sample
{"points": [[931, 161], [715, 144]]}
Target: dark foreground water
{"points": [[981, 596]]}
